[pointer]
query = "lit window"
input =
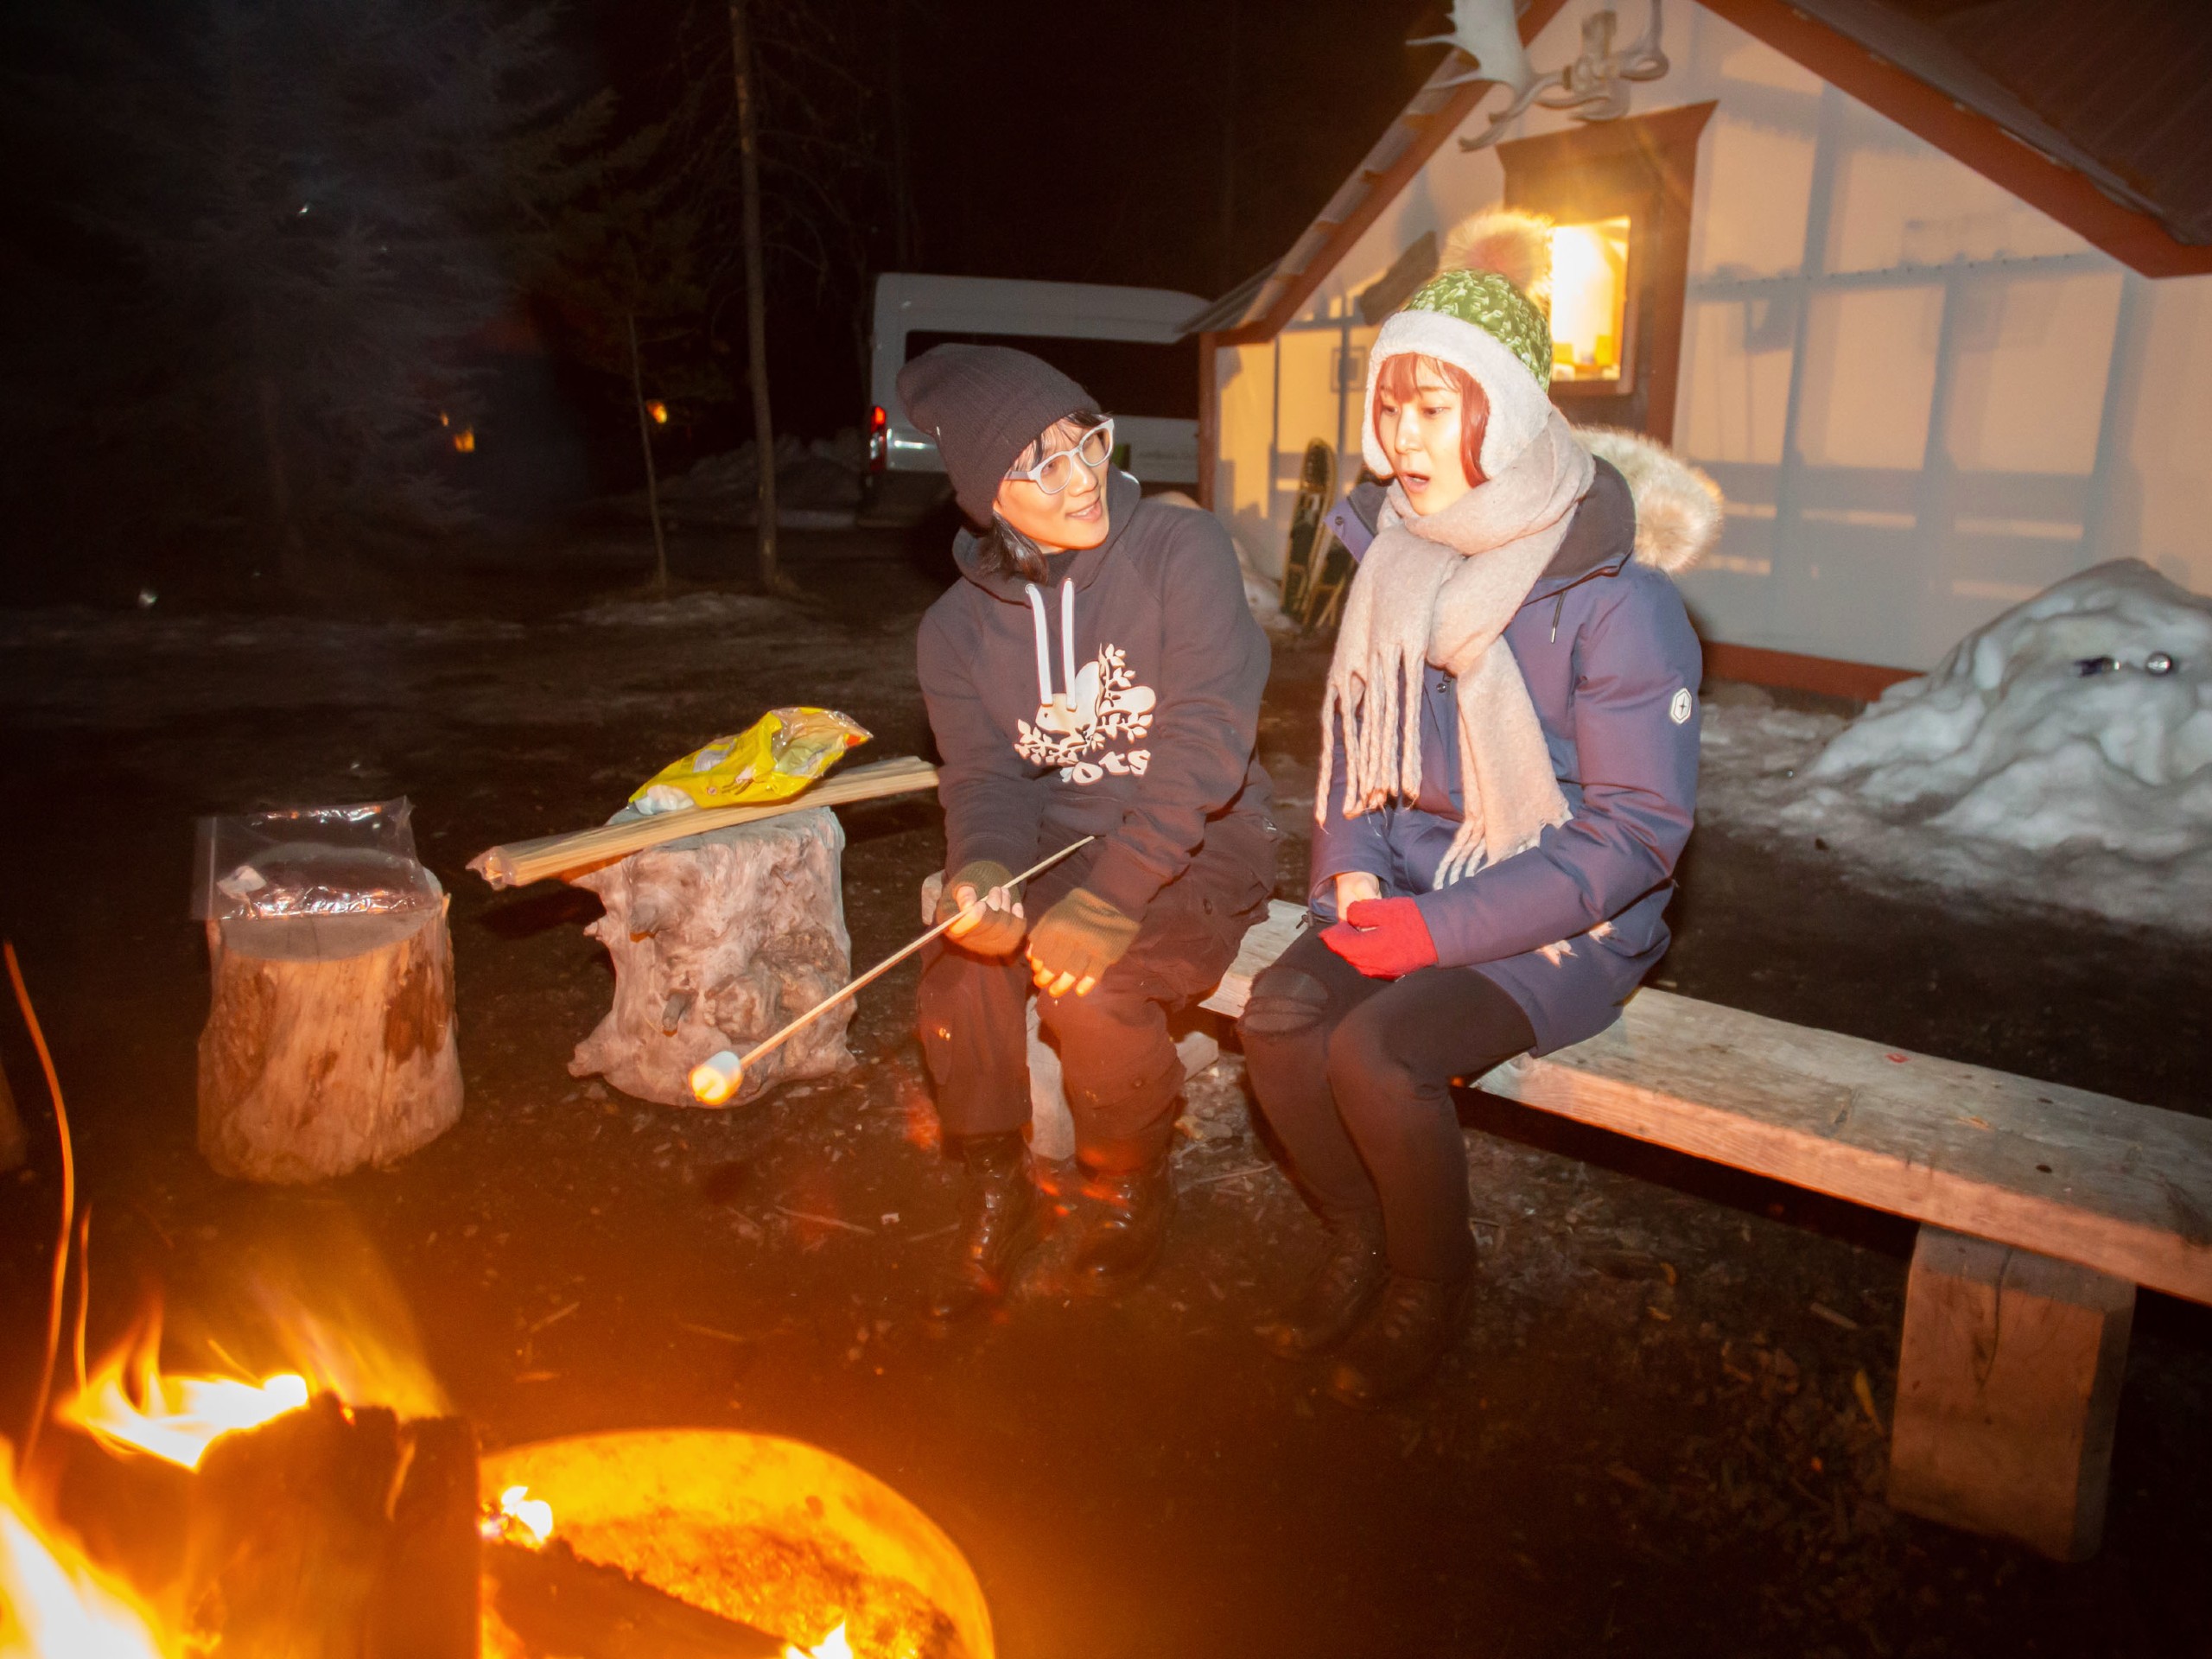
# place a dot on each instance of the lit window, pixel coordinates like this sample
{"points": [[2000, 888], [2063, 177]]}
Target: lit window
{"points": [[1589, 298]]}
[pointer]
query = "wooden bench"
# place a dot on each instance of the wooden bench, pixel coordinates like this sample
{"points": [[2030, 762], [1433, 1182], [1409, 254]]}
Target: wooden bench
{"points": [[2041, 1208]]}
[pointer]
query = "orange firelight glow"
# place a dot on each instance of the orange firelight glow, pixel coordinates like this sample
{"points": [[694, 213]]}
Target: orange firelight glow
{"points": [[56, 1604], [464, 442], [659, 412]]}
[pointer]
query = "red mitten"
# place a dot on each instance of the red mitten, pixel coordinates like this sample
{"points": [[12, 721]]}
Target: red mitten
{"points": [[1384, 938]]}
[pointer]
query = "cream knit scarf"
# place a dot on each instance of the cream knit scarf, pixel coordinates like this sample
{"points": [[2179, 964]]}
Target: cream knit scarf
{"points": [[1441, 589]]}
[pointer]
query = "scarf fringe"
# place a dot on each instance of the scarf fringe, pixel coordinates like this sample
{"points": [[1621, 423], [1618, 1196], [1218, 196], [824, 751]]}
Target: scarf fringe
{"points": [[1373, 717]]}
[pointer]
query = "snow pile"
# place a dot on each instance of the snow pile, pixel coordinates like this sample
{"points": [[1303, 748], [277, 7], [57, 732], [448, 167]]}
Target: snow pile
{"points": [[2062, 755]]}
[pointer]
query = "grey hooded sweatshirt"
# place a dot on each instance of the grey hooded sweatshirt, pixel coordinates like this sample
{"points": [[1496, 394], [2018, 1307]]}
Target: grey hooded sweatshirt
{"points": [[1119, 699]]}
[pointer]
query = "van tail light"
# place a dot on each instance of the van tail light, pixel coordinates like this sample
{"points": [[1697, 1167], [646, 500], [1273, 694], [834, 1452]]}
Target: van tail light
{"points": [[879, 439]]}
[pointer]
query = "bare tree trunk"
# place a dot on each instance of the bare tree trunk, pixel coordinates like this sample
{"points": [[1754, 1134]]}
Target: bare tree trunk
{"points": [[756, 299], [902, 207], [1229, 274], [646, 440], [291, 549]]}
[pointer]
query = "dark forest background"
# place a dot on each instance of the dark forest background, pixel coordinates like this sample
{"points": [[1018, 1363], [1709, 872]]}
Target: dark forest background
{"points": [[287, 281]]}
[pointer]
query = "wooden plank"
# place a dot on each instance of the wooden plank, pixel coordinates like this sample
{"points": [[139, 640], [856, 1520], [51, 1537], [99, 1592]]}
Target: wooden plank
{"points": [[1267, 940], [2121, 1188], [519, 863], [2008, 1387]]}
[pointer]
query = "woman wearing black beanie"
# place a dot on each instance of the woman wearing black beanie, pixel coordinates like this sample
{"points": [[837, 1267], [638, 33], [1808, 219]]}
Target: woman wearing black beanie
{"points": [[1094, 672]]}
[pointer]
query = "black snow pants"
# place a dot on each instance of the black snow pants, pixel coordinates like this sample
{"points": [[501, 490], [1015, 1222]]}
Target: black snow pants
{"points": [[1118, 1065], [1354, 1076]]}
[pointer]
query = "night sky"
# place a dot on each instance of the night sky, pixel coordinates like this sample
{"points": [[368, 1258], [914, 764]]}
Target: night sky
{"points": [[265, 253]]}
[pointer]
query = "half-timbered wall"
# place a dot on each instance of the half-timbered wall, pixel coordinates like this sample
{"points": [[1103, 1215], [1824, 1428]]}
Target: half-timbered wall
{"points": [[1925, 399]]}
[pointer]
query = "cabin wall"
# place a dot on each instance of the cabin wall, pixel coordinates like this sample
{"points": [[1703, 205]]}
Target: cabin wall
{"points": [[1925, 399]]}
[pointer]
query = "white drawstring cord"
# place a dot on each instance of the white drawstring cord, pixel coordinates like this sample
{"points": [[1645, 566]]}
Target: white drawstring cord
{"points": [[1044, 646], [1044, 641], [1067, 634]]}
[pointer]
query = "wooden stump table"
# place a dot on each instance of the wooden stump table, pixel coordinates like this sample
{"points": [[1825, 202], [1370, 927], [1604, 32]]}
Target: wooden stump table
{"points": [[330, 1043], [717, 940]]}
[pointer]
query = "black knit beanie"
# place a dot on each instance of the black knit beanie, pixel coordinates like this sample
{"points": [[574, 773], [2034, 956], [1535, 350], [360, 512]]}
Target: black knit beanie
{"points": [[984, 405]]}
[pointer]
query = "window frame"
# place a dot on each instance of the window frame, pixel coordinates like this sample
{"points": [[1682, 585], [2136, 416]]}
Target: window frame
{"points": [[1643, 168]]}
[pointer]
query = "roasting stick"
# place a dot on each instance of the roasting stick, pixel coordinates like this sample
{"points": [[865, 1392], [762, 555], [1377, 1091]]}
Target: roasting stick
{"points": [[713, 1081]]}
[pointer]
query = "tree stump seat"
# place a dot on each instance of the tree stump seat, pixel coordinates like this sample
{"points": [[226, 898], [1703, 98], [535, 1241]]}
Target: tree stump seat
{"points": [[330, 1043], [717, 940]]}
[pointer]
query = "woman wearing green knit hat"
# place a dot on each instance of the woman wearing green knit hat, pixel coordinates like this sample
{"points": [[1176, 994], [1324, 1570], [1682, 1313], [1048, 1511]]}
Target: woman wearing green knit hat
{"points": [[1509, 768]]}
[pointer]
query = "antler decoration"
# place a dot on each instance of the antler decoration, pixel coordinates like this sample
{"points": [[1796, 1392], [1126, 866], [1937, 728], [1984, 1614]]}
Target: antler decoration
{"points": [[1594, 87]]}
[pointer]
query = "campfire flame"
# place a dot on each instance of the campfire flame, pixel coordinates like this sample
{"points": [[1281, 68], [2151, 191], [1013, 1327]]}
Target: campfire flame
{"points": [[832, 1646], [521, 1518], [56, 1604], [128, 1401]]}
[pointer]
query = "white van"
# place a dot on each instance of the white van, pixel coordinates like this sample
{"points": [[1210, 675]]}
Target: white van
{"points": [[1125, 346]]}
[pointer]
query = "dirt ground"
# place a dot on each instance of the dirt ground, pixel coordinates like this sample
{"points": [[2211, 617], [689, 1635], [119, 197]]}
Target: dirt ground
{"points": [[1650, 1443]]}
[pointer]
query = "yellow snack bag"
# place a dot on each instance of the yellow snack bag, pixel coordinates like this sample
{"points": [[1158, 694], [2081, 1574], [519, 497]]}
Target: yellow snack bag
{"points": [[773, 759]]}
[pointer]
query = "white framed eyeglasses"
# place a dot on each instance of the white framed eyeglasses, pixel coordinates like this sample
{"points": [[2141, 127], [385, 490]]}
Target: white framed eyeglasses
{"points": [[1057, 471]]}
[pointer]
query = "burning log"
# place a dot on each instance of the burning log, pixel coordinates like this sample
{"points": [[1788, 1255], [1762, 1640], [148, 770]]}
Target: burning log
{"points": [[558, 1603], [717, 940], [127, 1512], [332, 1531], [329, 1043]]}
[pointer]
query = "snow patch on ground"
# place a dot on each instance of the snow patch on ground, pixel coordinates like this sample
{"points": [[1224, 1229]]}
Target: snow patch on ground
{"points": [[743, 611], [156, 632], [2009, 771]]}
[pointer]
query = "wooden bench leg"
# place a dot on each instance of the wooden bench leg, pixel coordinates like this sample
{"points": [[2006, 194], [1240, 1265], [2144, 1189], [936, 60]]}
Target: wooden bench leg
{"points": [[2008, 1384]]}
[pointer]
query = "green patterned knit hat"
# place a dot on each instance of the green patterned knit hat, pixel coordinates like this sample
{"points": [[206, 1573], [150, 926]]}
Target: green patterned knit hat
{"points": [[1479, 321], [1494, 306]]}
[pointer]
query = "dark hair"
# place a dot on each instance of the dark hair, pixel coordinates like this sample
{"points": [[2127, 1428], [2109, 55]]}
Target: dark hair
{"points": [[1002, 551]]}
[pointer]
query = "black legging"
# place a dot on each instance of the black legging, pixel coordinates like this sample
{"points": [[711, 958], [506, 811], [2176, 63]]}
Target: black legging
{"points": [[1354, 1074]]}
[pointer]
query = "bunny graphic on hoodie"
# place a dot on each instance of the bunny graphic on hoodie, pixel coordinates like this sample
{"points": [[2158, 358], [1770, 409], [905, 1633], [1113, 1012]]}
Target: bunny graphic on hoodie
{"points": [[1119, 697], [1100, 706]]}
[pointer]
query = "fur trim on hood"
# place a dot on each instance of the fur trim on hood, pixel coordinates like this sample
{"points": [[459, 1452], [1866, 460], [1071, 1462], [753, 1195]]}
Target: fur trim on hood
{"points": [[1678, 508]]}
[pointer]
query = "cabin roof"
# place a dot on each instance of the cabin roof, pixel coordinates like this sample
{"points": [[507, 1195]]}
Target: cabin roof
{"points": [[2097, 112], [2119, 90]]}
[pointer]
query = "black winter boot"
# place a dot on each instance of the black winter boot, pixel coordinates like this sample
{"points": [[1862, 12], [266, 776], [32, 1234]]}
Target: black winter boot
{"points": [[1414, 1325], [997, 1209], [1344, 1286], [1124, 1238]]}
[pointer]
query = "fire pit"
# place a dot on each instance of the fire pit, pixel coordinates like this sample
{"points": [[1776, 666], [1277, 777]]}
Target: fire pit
{"points": [[233, 1517], [774, 1533]]}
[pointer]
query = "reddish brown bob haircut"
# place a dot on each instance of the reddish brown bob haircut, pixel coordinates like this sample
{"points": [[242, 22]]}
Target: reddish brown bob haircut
{"points": [[1400, 377]]}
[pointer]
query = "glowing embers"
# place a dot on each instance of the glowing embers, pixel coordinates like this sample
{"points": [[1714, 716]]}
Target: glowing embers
{"points": [[56, 1604], [772, 1532], [1589, 298]]}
